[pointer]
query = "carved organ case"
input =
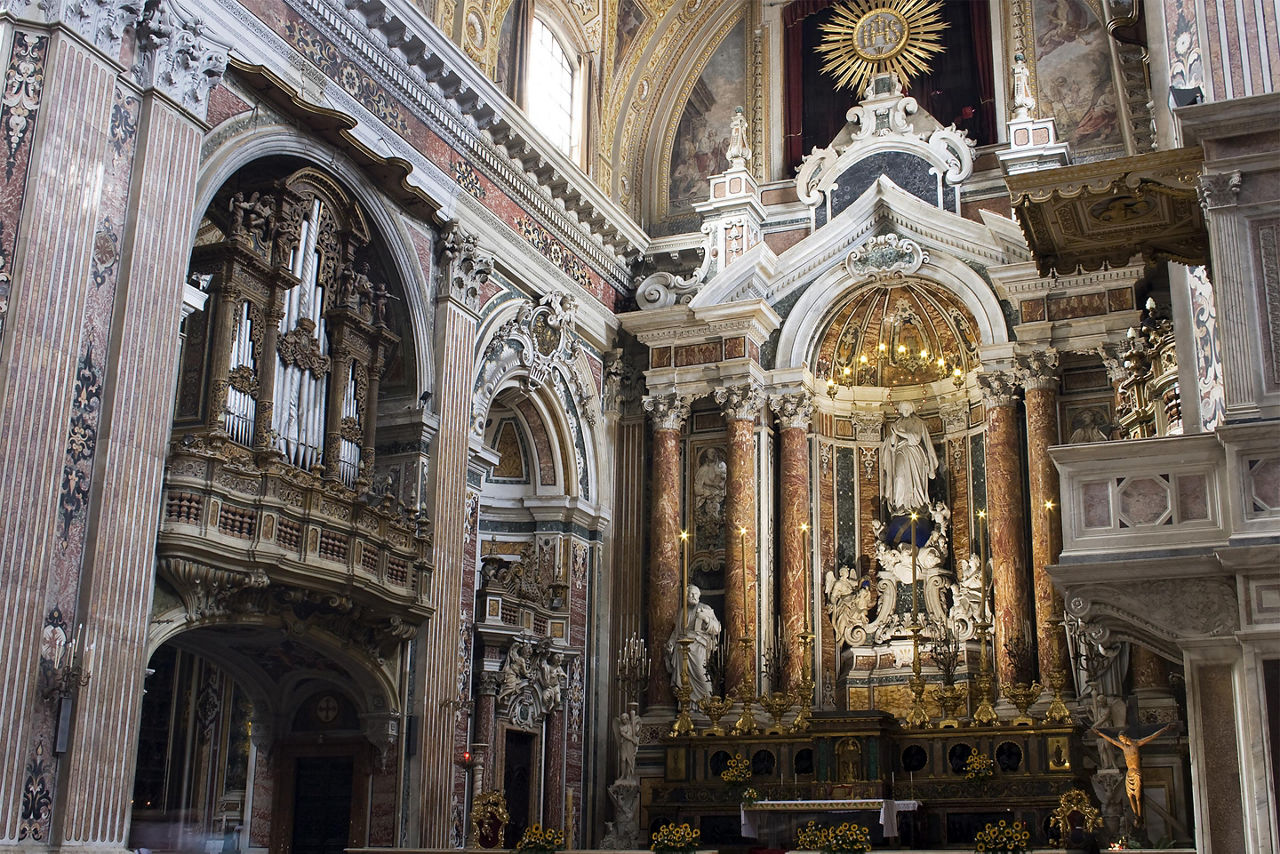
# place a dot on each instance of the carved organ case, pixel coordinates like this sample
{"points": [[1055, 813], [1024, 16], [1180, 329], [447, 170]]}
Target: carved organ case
{"points": [[286, 358]]}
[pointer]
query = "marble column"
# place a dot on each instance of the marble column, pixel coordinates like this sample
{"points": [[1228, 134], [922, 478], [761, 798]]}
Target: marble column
{"points": [[464, 269], [482, 739], [1038, 373], [669, 413], [740, 405], [1006, 518], [553, 782], [794, 412]]}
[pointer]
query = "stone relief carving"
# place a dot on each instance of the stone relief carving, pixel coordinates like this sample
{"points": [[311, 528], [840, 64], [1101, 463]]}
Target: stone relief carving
{"points": [[103, 22], [1160, 612], [177, 58], [662, 289], [533, 679], [466, 267], [886, 255]]}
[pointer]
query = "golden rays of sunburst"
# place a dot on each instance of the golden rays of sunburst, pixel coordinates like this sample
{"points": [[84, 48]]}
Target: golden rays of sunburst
{"points": [[867, 37]]}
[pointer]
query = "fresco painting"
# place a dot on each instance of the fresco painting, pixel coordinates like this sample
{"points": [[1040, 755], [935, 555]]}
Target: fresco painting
{"points": [[702, 137], [1073, 67], [631, 18]]}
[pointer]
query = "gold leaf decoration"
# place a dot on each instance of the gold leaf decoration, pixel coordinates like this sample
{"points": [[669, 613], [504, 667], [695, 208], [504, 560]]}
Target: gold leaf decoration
{"points": [[868, 37]]}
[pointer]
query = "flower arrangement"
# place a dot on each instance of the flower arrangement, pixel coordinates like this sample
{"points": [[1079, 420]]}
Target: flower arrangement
{"points": [[539, 840], [1007, 837], [750, 795], [979, 767], [845, 838], [675, 838], [739, 770]]}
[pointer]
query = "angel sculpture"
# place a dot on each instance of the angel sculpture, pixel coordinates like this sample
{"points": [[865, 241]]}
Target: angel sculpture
{"points": [[847, 602]]}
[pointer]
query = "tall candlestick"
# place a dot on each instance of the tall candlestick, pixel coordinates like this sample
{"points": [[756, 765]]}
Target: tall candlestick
{"points": [[915, 609], [808, 573], [684, 581], [982, 547], [742, 545]]}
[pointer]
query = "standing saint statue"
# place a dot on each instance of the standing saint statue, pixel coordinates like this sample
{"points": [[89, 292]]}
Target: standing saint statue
{"points": [[739, 151], [907, 461], [1133, 764], [702, 626]]}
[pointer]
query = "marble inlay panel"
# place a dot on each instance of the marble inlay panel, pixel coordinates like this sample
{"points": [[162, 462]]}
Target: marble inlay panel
{"points": [[1144, 501], [1193, 497]]}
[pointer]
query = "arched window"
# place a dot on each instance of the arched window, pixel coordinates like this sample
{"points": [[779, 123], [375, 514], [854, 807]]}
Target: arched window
{"points": [[550, 88]]}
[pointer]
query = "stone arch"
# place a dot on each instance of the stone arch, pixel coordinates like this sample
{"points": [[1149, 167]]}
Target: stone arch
{"points": [[238, 150], [818, 304]]}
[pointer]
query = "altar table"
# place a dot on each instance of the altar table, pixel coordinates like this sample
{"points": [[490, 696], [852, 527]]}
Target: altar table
{"points": [[802, 810]]}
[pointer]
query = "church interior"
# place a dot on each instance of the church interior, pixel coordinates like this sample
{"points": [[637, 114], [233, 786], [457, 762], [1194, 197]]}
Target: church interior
{"points": [[429, 420]]}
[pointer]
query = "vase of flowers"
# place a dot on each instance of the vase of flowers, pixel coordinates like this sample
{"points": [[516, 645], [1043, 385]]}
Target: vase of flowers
{"points": [[750, 796], [675, 838], [739, 771], [540, 840], [1006, 837]]}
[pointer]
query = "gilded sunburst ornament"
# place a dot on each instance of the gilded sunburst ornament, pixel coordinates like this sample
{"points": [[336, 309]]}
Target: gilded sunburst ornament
{"points": [[867, 37]]}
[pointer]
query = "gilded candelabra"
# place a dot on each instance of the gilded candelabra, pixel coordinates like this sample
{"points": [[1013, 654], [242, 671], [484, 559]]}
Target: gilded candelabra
{"points": [[918, 716], [1022, 696], [683, 725], [804, 693], [1057, 713], [984, 714], [715, 708], [745, 693]]}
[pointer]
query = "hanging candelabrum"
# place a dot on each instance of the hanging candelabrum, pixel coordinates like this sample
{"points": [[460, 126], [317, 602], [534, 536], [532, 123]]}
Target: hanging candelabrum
{"points": [[633, 669], [804, 693], [918, 716], [683, 725]]}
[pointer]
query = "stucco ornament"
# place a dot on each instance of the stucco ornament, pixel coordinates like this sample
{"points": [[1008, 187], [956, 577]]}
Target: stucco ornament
{"points": [[886, 255]]}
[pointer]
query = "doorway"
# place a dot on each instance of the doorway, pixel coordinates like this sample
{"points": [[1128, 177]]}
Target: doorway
{"points": [[322, 804], [517, 774]]}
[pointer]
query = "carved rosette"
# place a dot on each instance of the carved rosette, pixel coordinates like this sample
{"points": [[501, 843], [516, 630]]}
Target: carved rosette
{"points": [[466, 267], [668, 411], [740, 402]]}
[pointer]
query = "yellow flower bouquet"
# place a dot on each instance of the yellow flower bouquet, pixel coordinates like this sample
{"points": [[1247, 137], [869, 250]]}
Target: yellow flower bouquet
{"points": [[979, 767], [540, 840], [844, 838], [675, 838], [750, 795], [739, 770], [1006, 837]]}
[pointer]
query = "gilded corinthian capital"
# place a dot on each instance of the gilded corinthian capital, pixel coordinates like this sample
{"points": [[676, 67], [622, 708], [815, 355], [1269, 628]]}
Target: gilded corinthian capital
{"points": [[740, 402]]}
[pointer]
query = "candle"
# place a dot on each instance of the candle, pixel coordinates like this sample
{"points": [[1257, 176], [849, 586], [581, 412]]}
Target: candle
{"points": [[742, 544], [982, 547], [915, 608], [808, 596], [684, 581]]}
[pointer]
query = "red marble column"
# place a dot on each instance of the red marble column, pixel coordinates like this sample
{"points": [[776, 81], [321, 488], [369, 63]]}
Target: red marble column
{"points": [[1006, 516], [740, 405], [553, 788], [1039, 375], [669, 413], [482, 740], [794, 412]]}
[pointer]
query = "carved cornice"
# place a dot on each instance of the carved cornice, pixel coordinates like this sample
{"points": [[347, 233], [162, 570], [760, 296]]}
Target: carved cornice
{"points": [[740, 402], [1038, 370], [668, 411], [999, 388], [793, 410]]}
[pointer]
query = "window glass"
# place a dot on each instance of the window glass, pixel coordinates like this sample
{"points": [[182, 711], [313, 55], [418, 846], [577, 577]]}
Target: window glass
{"points": [[550, 87]]}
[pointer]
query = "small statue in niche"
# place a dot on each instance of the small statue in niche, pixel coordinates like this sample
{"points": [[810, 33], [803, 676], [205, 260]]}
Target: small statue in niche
{"points": [[1023, 101], [550, 680], [703, 627], [739, 150]]}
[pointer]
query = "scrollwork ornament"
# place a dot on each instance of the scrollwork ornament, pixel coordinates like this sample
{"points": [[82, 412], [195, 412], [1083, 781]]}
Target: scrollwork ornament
{"points": [[886, 254]]}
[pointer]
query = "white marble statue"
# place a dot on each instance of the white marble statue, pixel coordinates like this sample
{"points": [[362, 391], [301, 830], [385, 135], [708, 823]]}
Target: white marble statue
{"points": [[627, 728], [966, 593], [848, 603], [702, 626], [907, 461], [739, 150], [1023, 101]]}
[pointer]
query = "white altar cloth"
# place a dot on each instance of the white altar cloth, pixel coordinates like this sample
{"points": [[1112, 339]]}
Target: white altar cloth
{"points": [[889, 810]]}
